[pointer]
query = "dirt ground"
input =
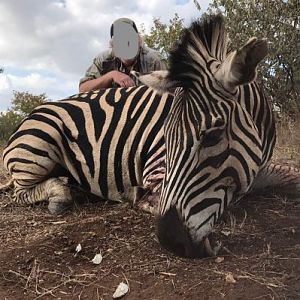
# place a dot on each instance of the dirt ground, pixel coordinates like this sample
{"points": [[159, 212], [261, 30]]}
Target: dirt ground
{"points": [[259, 257]]}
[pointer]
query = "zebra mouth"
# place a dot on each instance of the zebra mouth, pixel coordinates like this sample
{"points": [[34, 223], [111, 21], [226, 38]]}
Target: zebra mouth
{"points": [[175, 237]]}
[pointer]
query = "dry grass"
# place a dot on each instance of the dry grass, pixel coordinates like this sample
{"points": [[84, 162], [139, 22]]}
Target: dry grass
{"points": [[43, 263], [287, 148]]}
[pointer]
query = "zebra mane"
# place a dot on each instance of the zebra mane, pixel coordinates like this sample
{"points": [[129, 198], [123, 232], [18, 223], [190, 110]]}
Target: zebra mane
{"points": [[203, 40]]}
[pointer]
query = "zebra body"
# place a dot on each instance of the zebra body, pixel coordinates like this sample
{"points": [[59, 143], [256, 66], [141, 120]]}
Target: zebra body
{"points": [[108, 141]]}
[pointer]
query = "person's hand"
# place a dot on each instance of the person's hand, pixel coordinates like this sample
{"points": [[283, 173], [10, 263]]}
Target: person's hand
{"points": [[123, 80]]}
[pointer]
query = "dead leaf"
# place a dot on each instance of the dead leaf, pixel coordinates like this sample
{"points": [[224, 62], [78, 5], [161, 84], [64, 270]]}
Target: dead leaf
{"points": [[121, 290], [219, 259], [226, 232], [229, 278], [97, 259], [78, 248]]}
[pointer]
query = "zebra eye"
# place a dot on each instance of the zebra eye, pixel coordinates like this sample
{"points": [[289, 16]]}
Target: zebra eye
{"points": [[212, 138]]}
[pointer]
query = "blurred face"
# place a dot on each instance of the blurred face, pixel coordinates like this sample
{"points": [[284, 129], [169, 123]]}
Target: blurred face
{"points": [[126, 43]]}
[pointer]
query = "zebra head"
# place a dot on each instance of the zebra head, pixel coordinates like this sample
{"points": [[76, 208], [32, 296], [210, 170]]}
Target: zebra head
{"points": [[213, 148]]}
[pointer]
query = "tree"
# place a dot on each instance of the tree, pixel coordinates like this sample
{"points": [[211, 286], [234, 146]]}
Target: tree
{"points": [[163, 36], [278, 21], [8, 122], [22, 104]]}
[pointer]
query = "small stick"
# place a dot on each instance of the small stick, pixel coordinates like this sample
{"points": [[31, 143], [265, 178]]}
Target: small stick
{"points": [[167, 274]]}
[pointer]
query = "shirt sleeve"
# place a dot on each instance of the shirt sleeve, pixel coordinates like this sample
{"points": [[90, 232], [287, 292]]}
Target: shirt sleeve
{"points": [[160, 63], [151, 60], [94, 71]]}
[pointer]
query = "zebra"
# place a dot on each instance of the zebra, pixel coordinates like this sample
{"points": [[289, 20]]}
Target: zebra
{"points": [[219, 135], [211, 139]]}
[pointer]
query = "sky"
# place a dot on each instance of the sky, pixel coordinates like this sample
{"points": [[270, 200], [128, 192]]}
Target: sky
{"points": [[47, 45]]}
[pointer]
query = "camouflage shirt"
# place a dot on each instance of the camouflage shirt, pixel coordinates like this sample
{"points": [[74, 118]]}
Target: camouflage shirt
{"points": [[148, 60]]}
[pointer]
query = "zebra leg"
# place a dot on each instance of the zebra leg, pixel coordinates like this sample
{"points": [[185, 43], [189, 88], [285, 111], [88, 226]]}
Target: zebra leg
{"points": [[278, 179], [53, 190]]}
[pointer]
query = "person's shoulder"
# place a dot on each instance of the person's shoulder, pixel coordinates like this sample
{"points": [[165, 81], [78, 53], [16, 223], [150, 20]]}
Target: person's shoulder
{"points": [[151, 53], [104, 55]]}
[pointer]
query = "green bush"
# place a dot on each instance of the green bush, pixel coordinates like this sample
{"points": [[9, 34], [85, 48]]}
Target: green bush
{"points": [[22, 104]]}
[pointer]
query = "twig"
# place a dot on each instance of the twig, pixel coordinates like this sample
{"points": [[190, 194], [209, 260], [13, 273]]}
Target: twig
{"points": [[173, 284], [228, 251], [167, 274], [16, 273], [126, 281], [260, 280], [31, 274], [195, 285], [50, 291], [244, 220]]}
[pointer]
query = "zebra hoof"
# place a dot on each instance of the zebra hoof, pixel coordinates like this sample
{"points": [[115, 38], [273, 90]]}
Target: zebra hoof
{"points": [[58, 207]]}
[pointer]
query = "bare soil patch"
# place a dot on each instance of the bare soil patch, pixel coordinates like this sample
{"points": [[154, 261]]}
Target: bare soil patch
{"points": [[259, 257]]}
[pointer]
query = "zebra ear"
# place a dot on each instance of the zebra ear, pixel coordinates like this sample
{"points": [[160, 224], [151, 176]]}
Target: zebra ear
{"points": [[158, 80], [240, 66]]}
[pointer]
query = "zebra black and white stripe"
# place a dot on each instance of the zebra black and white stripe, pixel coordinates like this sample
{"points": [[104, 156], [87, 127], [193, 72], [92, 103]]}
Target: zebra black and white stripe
{"points": [[108, 141]]}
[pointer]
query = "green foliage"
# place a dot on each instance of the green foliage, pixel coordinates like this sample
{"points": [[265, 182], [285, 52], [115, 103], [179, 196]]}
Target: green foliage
{"points": [[22, 104], [8, 122], [163, 36], [278, 21]]}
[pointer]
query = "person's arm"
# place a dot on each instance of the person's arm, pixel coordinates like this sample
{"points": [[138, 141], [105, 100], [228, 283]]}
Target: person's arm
{"points": [[106, 81]]}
